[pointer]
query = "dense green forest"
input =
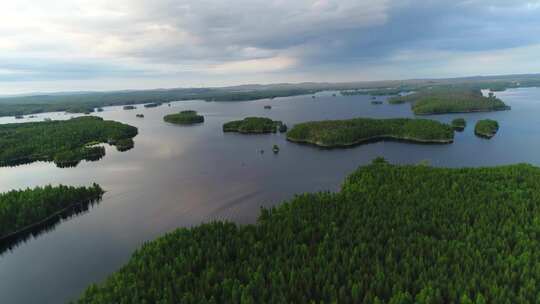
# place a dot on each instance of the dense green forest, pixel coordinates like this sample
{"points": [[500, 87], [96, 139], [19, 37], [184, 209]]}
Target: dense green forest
{"points": [[343, 133], [486, 128], [442, 100], [459, 124], [393, 234], [22, 208], [64, 142], [254, 125], [187, 117]]}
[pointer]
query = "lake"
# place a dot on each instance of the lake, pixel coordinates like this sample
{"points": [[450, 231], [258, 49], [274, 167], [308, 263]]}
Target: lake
{"points": [[179, 176]]}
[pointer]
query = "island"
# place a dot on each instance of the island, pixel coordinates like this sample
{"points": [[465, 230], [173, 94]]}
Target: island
{"points": [[187, 117], [129, 107], [139, 115], [65, 142], [268, 107], [486, 128], [392, 234], [253, 125], [459, 124], [351, 132], [376, 102], [450, 100], [152, 105], [21, 210]]}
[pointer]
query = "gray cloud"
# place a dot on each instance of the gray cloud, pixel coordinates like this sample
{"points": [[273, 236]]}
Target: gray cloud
{"points": [[263, 40]]}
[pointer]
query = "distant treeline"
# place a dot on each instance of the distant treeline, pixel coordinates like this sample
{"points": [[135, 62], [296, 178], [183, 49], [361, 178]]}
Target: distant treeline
{"points": [[87, 102], [393, 234]]}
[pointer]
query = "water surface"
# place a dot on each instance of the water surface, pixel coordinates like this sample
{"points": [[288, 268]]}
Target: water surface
{"points": [[178, 176]]}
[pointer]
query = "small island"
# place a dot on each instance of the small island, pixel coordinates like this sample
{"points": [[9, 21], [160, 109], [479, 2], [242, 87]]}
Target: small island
{"points": [[20, 210], [139, 115], [65, 142], [376, 102], [351, 132], [188, 117], [486, 128], [253, 125], [268, 107], [129, 107], [450, 100], [152, 105], [459, 124]]}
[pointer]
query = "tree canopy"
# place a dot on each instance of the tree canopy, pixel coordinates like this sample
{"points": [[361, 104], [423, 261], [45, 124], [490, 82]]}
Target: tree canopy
{"points": [[22, 208], [253, 125], [187, 117], [64, 142], [393, 234], [442, 100], [343, 133], [486, 128], [459, 124]]}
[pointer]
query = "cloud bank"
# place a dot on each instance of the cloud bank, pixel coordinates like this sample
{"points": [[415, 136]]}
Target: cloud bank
{"points": [[98, 44]]}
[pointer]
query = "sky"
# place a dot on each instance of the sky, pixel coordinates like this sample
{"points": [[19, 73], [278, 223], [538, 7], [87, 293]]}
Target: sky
{"points": [[78, 45]]}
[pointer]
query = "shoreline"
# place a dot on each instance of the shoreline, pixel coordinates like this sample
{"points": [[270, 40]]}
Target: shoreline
{"points": [[508, 108], [373, 139], [28, 227]]}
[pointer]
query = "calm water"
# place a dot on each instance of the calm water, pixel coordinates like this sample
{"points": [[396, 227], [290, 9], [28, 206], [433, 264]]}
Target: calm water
{"points": [[181, 176]]}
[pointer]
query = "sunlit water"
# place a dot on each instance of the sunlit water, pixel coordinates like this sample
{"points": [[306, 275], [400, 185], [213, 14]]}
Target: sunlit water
{"points": [[181, 176]]}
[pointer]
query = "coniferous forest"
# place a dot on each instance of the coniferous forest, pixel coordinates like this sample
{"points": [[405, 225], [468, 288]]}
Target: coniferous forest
{"points": [[64, 142], [22, 208], [393, 234]]}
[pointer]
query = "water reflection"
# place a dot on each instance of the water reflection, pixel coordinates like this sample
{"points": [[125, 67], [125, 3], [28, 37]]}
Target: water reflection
{"points": [[13, 240]]}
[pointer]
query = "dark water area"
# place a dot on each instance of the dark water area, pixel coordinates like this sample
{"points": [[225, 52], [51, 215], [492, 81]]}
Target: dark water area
{"points": [[180, 176]]}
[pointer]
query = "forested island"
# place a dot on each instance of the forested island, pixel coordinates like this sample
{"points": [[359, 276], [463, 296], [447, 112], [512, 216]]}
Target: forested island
{"points": [[459, 124], [393, 234], [450, 100], [187, 117], [152, 105], [350, 132], [255, 125], [65, 143], [486, 128], [21, 209]]}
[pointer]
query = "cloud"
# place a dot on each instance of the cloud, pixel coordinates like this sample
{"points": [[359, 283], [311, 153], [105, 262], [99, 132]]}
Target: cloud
{"points": [[219, 42]]}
